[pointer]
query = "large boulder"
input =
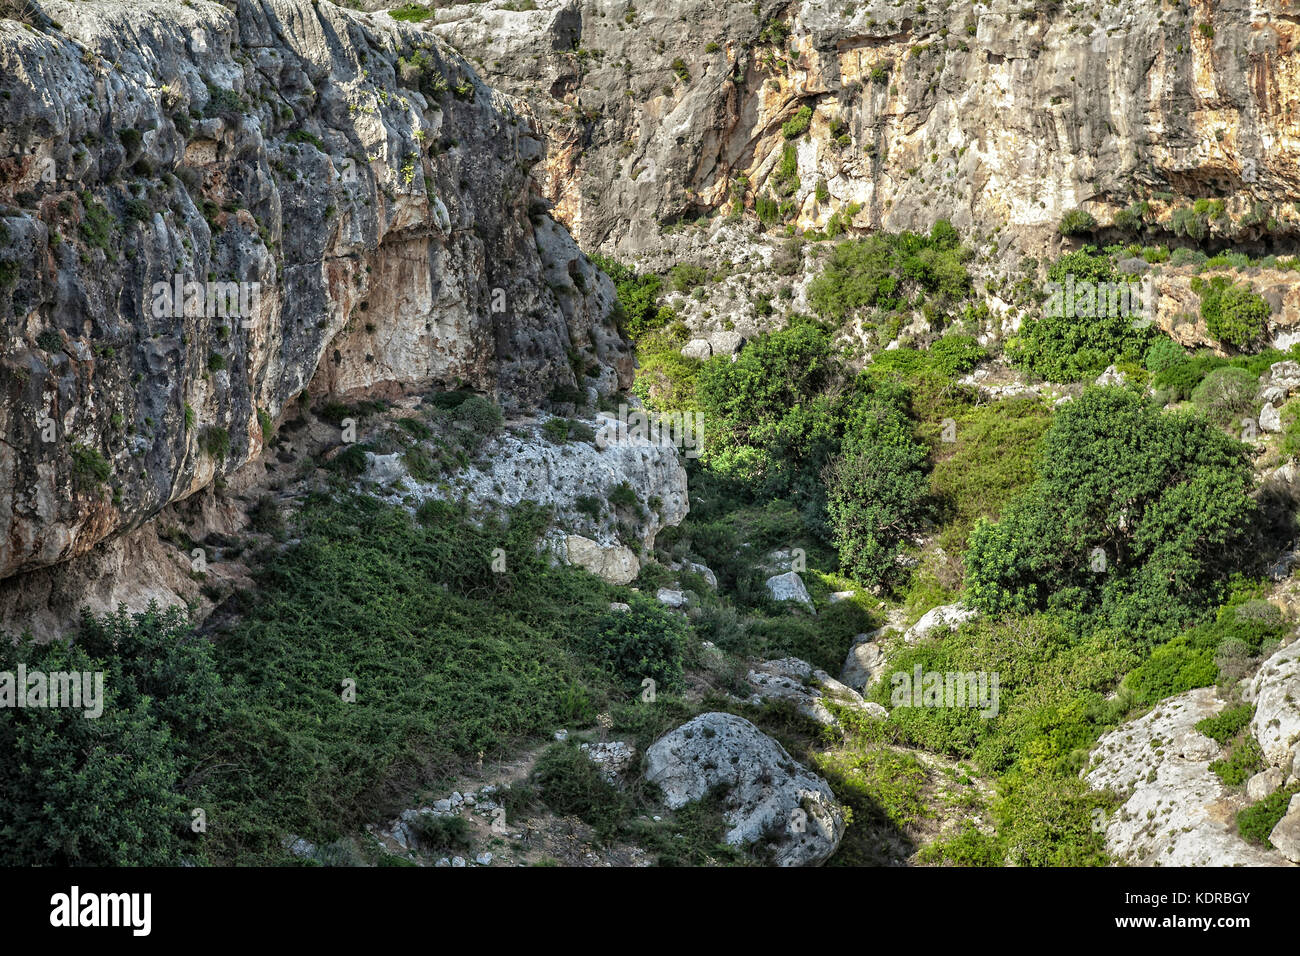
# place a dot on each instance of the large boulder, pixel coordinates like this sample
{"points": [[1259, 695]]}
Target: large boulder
{"points": [[614, 563], [770, 799], [1275, 692], [788, 587], [945, 617]]}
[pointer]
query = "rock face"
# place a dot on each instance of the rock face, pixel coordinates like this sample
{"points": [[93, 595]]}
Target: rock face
{"points": [[1286, 835], [349, 204], [575, 479], [1275, 692], [770, 798], [1175, 811], [1011, 116]]}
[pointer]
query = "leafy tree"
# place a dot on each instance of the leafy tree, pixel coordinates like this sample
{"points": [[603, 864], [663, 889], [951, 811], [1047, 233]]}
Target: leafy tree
{"points": [[774, 416], [1135, 514], [877, 488]]}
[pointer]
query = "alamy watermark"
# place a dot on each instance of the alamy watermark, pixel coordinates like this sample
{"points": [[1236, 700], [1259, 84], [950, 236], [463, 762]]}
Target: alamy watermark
{"points": [[227, 300], [681, 430], [76, 690], [1086, 299], [977, 690]]}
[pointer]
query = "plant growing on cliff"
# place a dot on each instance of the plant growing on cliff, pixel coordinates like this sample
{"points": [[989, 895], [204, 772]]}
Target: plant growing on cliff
{"points": [[1234, 314], [1077, 222], [89, 468], [892, 273], [798, 124], [215, 442]]}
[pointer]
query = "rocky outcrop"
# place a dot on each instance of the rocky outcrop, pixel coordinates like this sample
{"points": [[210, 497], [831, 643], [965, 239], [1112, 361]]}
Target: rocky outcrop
{"points": [[770, 799], [580, 481], [1275, 692], [1006, 116], [939, 620], [206, 210], [808, 689], [1174, 810]]}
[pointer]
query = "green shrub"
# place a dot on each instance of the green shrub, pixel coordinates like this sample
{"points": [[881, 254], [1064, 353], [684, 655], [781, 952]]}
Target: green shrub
{"points": [[893, 273], [1166, 499], [216, 443], [1244, 761], [957, 354], [798, 124], [645, 642], [569, 782], [1071, 341], [107, 791], [637, 311], [1225, 395], [1076, 222], [444, 834], [1163, 353], [876, 490], [1234, 314], [1256, 822], [1224, 726]]}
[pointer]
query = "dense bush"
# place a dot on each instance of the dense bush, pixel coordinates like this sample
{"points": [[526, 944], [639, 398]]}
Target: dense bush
{"points": [[1064, 347], [1163, 499], [637, 310], [1233, 314], [645, 641], [1225, 395], [877, 488], [956, 354], [892, 272], [448, 658], [774, 417], [106, 791], [1076, 222]]}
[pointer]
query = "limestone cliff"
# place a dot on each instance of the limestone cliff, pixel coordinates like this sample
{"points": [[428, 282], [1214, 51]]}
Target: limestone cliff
{"points": [[999, 116], [208, 209]]}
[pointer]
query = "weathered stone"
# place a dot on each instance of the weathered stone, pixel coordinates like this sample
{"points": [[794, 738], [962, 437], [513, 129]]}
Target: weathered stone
{"points": [[788, 587], [1274, 691], [865, 662], [1173, 812], [697, 349], [945, 617], [768, 796], [1286, 835]]}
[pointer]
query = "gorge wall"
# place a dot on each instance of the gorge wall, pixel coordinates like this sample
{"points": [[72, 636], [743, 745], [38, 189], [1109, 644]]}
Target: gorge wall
{"points": [[207, 210], [1000, 116]]}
